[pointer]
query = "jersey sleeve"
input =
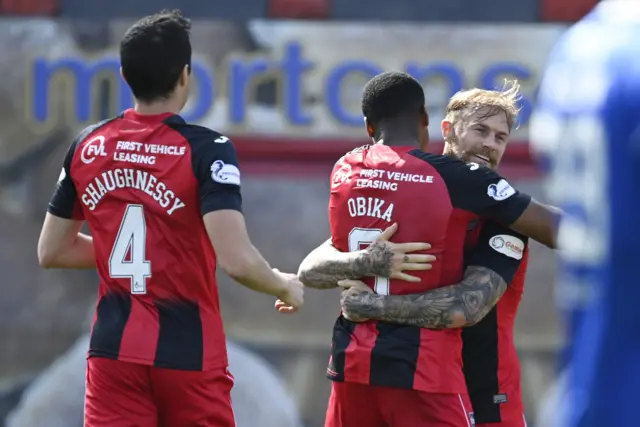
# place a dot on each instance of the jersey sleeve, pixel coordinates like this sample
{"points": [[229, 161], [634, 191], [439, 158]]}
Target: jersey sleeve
{"points": [[480, 190], [65, 203], [499, 249], [215, 165]]}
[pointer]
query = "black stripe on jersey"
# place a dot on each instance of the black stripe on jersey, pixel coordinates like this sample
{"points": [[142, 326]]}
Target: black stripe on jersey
{"points": [[395, 355], [180, 344], [480, 359], [208, 148], [113, 313], [342, 331]]}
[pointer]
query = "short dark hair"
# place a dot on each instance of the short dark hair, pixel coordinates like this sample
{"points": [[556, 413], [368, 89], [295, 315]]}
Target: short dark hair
{"points": [[153, 53], [392, 95]]}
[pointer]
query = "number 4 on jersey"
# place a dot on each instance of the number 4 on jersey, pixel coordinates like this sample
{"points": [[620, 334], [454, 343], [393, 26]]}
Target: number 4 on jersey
{"points": [[127, 260]]}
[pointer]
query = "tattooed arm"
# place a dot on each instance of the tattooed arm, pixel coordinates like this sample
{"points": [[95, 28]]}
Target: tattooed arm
{"points": [[491, 265], [455, 306], [325, 266]]}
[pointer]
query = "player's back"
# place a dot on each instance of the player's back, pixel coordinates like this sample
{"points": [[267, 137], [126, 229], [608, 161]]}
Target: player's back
{"points": [[432, 198], [587, 124], [136, 178], [377, 185]]}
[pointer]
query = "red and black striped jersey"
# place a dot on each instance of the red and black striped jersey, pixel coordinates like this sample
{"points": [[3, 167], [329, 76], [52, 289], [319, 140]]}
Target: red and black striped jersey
{"points": [[491, 365], [143, 183], [433, 198]]}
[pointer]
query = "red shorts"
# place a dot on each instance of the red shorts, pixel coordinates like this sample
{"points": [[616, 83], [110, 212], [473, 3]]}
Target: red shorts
{"points": [[358, 405], [122, 394]]}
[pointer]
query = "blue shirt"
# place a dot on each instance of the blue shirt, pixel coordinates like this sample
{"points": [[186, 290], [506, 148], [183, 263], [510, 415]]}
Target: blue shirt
{"points": [[587, 131]]}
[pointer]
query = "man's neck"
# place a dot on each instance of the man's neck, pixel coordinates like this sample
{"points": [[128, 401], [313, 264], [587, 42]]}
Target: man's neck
{"points": [[156, 108], [398, 138]]}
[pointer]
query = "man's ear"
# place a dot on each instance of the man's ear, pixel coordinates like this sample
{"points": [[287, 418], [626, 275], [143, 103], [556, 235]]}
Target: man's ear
{"points": [[184, 76], [447, 129], [370, 130], [425, 116]]}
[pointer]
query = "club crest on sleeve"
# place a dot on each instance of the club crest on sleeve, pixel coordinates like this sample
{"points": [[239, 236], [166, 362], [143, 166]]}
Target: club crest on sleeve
{"points": [[500, 191], [507, 245], [225, 173]]}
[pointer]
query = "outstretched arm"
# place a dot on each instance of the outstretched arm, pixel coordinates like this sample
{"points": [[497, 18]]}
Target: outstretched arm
{"points": [[492, 265], [325, 266]]}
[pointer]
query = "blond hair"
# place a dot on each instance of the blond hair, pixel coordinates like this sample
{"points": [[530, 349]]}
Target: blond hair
{"points": [[486, 102]]}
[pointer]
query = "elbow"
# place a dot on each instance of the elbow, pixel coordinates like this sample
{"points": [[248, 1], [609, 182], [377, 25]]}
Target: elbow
{"points": [[46, 257], [236, 267], [467, 321], [459, 320]]}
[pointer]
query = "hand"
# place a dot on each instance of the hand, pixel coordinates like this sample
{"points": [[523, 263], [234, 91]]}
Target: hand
{"points": [[352, 289], [292, 299], [390, 259]]}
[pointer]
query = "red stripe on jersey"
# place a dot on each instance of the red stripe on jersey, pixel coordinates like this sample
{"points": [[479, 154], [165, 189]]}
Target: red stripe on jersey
{"points": [[140, 335], [431, 373], [358, 354]]}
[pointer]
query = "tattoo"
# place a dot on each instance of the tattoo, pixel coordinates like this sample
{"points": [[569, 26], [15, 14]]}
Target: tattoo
{"points": [[326, 266], [459, 305]]}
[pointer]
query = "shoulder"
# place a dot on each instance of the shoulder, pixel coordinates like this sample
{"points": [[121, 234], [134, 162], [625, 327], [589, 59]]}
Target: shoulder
{"points": [[442, 161], [197, 135], [452, 169], [355, 154], [350, 157], [91, 130]]}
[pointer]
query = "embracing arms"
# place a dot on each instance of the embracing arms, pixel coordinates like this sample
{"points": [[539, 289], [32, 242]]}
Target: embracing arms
{"points": [[490, 268], [454, 306], [325, 266]]}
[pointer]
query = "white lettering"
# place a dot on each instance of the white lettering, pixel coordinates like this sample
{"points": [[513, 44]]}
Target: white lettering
{"points": [[170, 150], [371, 173], [134, 179], [378, 185], [371, 207], [408, 177], [134, 158]]}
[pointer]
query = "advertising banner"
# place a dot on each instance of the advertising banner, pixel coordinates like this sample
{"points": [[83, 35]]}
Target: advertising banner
{"points": [[300, 79]]}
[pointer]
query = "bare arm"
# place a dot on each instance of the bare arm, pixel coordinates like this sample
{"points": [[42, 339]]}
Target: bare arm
{"points": [[540, 222], [239, 258], [325, 266], [61, 245], [454, 306]]}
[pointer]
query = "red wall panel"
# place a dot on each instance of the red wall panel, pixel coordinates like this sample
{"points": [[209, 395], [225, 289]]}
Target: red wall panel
{"points": [[311, 9], [29, 7], [565, 10]]}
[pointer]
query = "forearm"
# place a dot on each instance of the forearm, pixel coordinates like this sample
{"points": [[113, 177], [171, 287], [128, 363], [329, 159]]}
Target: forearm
{"points": [[78, 254], [250, 269], [325, 266], [455, 306]]}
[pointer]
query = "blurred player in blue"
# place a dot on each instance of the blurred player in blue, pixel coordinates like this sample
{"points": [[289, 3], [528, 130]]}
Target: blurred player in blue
{"points": [[587, 131]]}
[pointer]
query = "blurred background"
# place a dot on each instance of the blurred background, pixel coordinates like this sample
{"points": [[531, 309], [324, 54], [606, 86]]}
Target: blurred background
{"points": [[283, 78]]}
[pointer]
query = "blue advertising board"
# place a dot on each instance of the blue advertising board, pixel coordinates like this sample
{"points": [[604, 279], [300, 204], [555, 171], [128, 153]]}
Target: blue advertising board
{"points": [[239, 75]]}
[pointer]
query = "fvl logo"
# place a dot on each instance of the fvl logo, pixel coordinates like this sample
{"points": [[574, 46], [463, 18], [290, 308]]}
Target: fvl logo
{"points": [[93, 149]]}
